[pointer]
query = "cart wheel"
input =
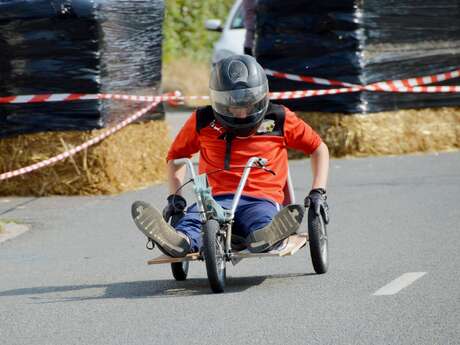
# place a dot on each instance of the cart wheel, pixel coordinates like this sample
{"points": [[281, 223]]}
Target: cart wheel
{"points": [[213, 251], [317, 234], [180, 270]]}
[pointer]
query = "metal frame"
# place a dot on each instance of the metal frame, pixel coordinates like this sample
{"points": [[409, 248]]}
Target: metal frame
{"points": [[297, 240]]}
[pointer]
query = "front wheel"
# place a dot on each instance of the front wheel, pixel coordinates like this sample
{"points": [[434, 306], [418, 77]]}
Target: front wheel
{"points": [[317, 234], [180, 270], [213, 252]]}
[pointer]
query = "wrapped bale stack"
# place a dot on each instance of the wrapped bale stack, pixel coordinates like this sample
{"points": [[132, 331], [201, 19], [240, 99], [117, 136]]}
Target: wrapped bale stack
{"points": [[82, 46], [410, 38], [79, 46], [362, 42], [315, 38]]}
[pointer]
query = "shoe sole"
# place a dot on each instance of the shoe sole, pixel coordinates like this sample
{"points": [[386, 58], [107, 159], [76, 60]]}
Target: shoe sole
{"points": [[284, 224], [150, 221]]}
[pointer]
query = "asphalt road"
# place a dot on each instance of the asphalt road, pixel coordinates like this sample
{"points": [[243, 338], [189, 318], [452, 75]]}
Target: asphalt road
{"points": [[79, 276]]}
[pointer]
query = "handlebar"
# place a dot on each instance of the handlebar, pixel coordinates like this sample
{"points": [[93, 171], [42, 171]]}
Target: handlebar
{"points": [[261, 162], [188, 162], [252, 162]]}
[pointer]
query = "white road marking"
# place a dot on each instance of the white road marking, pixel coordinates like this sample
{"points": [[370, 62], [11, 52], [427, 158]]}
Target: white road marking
{"points": [[11, 230], [399, 283]]}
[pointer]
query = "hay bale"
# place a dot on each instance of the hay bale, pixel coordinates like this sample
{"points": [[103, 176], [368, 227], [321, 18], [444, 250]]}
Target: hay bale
{"points": [[132, 158], [387, 133]]}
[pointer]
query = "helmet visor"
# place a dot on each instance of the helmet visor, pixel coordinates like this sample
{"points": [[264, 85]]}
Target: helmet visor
{"points": [[241, 103]]}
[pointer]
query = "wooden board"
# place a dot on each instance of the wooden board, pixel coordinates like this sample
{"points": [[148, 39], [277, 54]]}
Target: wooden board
{"points": [[165, 259], [295, 243]]}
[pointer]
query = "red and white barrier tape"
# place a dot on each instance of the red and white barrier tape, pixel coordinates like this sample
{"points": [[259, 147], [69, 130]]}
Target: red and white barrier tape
{"points": [[66, 97], [389, 86], [418, 89], [414, 85], [174, 99], [306, 79], [313, 93], [79, 148], [401, 85]]}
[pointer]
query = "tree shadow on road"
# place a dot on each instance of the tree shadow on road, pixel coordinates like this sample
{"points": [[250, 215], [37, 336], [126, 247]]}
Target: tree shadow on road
{"points": [[138, 289]]}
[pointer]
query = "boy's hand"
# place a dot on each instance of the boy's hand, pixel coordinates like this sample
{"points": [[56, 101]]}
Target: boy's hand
{"points": [[175, 208], [316, 200]]}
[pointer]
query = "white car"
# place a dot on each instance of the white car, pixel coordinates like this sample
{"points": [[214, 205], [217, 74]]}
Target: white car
{"points": [[231, 40]]}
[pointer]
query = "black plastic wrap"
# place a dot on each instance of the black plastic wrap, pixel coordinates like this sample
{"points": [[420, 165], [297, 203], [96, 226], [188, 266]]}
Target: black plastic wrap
{"points": [[359, 42], [304, 44], [410, 21], [77, 46]]}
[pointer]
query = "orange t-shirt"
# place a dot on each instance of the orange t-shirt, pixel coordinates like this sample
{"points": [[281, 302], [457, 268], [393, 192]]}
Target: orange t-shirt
{"points": [[266, 143]]}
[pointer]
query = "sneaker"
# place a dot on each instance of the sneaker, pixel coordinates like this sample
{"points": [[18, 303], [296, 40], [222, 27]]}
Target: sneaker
{"points": [[285, 223], [150, 221]]}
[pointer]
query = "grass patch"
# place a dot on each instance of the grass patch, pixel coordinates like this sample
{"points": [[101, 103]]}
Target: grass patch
{"points": [[3, 223], [187, 45], [183, 28], [189, 76]]}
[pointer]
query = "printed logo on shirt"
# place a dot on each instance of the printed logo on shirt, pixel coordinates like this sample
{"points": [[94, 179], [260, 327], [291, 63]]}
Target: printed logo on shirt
{"points": [[267, 126], [216, 127]]}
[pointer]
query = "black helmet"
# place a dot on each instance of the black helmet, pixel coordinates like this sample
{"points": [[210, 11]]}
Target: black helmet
{"points": [[239, 94]]}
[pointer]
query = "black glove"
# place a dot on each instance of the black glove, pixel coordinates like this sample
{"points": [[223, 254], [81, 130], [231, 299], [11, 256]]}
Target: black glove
{"points": [[175, 209], [317, 201]]}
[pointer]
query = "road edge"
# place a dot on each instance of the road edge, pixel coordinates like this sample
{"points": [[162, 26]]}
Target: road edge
{"points": [[11, 230]]}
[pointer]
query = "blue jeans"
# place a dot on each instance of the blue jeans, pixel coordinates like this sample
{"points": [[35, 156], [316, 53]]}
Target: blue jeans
{"points": [[251, 214]]}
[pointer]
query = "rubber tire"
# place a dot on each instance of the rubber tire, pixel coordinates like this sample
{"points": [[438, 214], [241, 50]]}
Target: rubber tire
{"points": [[180, 270], [316, 228], [216, 274]]}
